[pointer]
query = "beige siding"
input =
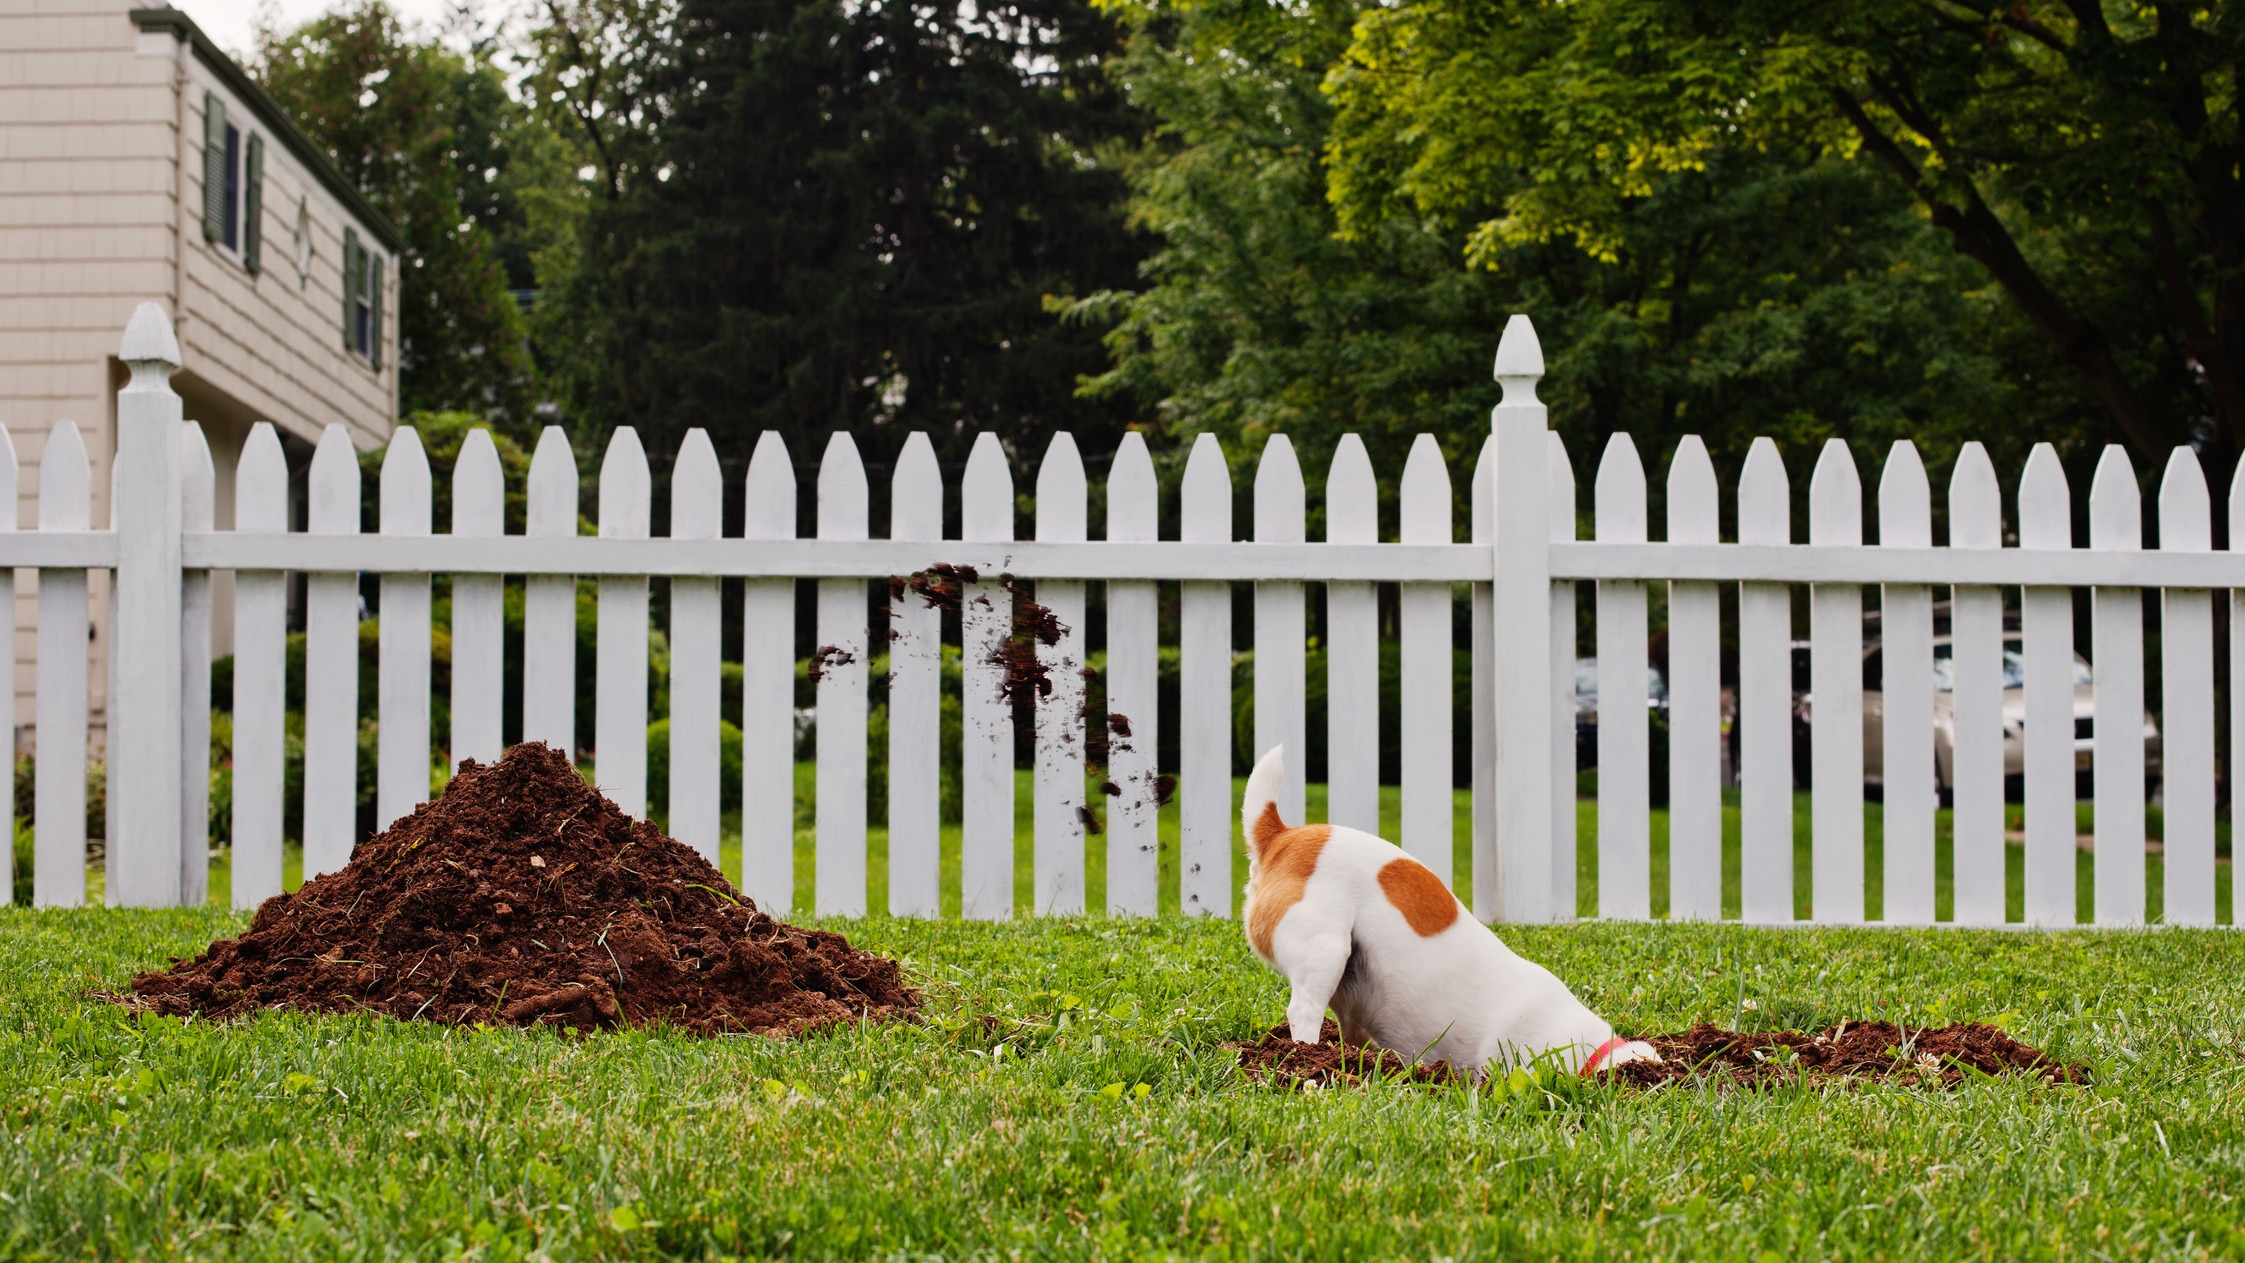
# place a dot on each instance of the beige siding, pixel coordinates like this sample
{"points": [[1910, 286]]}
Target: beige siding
{"points": [[100, 210]]}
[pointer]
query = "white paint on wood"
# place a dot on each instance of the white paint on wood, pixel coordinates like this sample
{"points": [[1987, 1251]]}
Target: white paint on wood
{"points": [[2047, 636], [1906, 695], [9, 472], [402, 737], [1765, 697], [1352, 648], [768, 689], [1624, 812], [2186, 661], [331, 666], [1484, 695], [619, 711], [1205, 815], [260, 673], [549, 602], [915, 696], [2236, 663], [1281, 626], [1566, 857], [1835, 516], [1976, 763], [986, 762], [697, 511], [479, 506], [841, 664], [1133, 693], [1429, 825], [143, 720], [1695, 718], [1057, 793], [2116, 524], [1522, 579], [58, 812], [198, 512]]}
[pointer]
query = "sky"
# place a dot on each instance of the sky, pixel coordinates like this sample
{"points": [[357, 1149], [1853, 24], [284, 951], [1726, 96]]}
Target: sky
{"points": [[232, 23]]}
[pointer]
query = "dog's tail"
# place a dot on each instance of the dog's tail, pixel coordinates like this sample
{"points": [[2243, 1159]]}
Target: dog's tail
{"points": [[1258, 807]]}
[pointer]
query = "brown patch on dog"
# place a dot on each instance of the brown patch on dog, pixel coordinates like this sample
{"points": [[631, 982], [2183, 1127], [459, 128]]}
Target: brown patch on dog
{"points": [[1267, 826], [1284, 862], [1419, 895]]}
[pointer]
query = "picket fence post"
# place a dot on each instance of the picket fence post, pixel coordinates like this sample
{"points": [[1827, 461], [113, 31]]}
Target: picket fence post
{"points": [[1057, 792], [2116, 524], [2186, 672], [1425, 687], [331, 666], [619, 711], [1624, 811], [1206, 820], [1523, 636], [1352, 648], [1565, 857], [768, 688], [1906, 681], [1484, 692], [1695, 718], [697, 511], [986, 762], [479, 510], [2047, 642], [260, 673], [1765, 698], [402, 739], [58, 814], [1976, 671], [839, 760], [549, 602], [198, 511], [9, 472], [1835, 520], [1281, 711], [1133, 692], [915, 696], [144, 844]]}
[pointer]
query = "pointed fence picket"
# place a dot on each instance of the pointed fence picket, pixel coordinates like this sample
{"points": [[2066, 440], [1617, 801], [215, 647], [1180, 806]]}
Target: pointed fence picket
{"points": [[1058, 812], [915, 697], [402, 736], [697, 511], [1521, 570], [1133, 693]]}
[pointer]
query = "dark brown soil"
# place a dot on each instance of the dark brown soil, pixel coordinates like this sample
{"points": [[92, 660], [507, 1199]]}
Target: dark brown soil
{"points": [[1849, 1052], [524, 897]]}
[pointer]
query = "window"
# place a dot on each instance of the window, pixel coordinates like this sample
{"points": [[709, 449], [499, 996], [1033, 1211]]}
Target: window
{"points": [[362, 299], [231, 229], [233, 185]]}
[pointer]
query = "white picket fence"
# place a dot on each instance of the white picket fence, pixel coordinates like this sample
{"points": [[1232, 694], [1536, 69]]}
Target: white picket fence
{"points": [[1523, 565]]}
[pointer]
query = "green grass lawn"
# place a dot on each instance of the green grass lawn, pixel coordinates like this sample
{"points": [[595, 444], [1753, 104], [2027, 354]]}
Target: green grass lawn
{"points": [[1113, 1125]]}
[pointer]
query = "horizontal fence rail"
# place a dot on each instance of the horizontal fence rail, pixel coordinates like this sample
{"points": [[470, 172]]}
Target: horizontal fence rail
{"points": [[1536, 696]]}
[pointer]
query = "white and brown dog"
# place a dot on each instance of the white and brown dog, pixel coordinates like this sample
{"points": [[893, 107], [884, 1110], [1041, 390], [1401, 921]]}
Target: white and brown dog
{"points": [[1353, 922]]}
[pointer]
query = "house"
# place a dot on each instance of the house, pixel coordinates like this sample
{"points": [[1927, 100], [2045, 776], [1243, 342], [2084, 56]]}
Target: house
{"points": [[137, 162]]}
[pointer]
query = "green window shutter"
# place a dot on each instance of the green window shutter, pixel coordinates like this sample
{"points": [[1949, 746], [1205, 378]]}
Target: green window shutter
{"points": [[374, 305], [214, 167], [253, 205], [351, 276]]}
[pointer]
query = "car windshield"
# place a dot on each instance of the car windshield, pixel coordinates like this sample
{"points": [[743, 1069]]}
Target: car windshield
{"points": [[2014, 668]]}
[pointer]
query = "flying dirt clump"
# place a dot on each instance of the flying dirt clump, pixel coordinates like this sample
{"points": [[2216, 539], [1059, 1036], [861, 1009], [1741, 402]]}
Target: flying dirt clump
{"points": [[523, 897]]}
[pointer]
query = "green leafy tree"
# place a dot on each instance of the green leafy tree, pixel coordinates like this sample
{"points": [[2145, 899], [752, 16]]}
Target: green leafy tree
{"points": [[811, 216], [431, 138], [2080, 159]]}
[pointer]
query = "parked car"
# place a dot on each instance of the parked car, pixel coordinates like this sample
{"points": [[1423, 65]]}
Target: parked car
{"points": [[1586, 709], [1944, 714]]}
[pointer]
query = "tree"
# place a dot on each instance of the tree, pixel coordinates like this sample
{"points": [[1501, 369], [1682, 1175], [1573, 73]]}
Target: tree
{"points": [[429, 136], [811, 216], [2083, 158]]}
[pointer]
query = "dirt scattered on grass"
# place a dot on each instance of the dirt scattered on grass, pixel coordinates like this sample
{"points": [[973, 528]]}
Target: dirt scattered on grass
{"points": [[523, 897], [1852, 1052]]}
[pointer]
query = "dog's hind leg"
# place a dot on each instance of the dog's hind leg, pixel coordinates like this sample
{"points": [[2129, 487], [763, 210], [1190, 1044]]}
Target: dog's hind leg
{"points": [[1314, 961]]}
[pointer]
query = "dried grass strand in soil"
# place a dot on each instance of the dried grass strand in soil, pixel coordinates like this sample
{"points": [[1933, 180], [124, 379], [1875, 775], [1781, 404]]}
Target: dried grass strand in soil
{"points": [[1852, 1052], [523, 897]]}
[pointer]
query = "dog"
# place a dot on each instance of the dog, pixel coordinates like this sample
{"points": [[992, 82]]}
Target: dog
{"points": [[1352, 922]]}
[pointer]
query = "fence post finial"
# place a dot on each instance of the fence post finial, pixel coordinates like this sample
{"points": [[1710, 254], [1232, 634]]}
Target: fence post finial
{"points": [[1519, 360], [150, 347]]}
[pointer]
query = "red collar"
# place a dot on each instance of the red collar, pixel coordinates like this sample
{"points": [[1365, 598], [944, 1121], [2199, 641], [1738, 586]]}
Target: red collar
{"points": [[1590, 1067]]}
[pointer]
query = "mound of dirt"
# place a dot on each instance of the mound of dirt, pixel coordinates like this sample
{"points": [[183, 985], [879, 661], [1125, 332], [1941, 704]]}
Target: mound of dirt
{"points": [[1849, 1052], [524, 897]]}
